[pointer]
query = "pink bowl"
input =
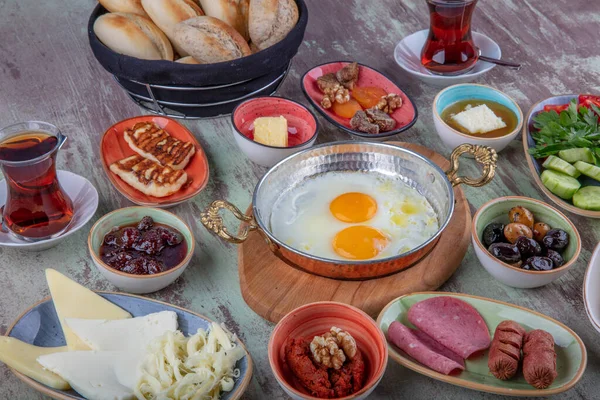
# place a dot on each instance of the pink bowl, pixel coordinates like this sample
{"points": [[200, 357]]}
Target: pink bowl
{"points": [[302, 128], [317, 318]]}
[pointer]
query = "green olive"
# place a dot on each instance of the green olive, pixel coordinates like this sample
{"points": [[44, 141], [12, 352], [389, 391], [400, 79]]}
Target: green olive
{"points": [[521, 215], [514, 230]]}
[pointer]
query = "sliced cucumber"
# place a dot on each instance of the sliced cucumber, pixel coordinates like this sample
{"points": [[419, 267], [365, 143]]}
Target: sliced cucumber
{"points": [[560, 184], [556, 164], [588, 198], [588, 170], [574, 155]]}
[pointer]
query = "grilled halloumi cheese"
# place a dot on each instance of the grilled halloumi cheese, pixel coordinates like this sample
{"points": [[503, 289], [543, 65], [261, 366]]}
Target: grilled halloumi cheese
{"points": [[151, 142], [149, 177]]}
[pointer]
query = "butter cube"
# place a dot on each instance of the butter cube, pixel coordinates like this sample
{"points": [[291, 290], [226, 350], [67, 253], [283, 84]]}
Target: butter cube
{"points": [[271, 131], [480, 119]]}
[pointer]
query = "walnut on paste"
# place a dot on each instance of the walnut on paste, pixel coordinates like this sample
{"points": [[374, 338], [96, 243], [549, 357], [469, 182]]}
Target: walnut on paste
{"points": [[332, 349], [389, 103]]}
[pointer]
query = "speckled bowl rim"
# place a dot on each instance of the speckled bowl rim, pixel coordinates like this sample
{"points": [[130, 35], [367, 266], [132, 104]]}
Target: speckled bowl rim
{"points": [[281, 380], [184, 262], [40, 387], [490, 203], [295, 103], [512, 133]]}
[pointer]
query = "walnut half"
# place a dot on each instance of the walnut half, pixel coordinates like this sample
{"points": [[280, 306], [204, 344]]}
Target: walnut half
{"points": [[332, 349], [389, 103]]}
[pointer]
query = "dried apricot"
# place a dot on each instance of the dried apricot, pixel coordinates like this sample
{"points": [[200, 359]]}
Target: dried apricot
{"points": [[346, 110], [368, 96]]}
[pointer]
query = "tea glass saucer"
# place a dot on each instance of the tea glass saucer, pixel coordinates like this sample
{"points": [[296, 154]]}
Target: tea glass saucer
{"points": [[85, 202], [408, 56]]}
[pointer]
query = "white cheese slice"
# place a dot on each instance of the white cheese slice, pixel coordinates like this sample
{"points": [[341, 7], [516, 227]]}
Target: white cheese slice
{"points": [[91, 373], [127, 335], [23, 356], [478, 120], [71, 300]]}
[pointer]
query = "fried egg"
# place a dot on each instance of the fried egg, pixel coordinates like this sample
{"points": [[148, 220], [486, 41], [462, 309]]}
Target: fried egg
{"points": [[353, 216]]}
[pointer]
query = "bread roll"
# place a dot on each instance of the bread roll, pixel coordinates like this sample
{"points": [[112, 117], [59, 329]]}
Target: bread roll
{"points": [[269, 21], [187, 60], [232, 12], [210, 40], [124, 6], [133, 35], [168, 13]]}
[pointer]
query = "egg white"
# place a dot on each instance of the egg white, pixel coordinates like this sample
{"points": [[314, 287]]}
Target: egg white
{"points": [[301, 217]]}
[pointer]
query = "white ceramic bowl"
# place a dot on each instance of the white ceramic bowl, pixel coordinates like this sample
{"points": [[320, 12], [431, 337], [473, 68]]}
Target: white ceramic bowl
{"points": [[497, 211], [85, 202], [408, 56], [131, 283], [591, 289], [466, 91], [302, 127]]}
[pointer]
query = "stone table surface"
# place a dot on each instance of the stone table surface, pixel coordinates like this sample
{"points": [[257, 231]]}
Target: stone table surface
{"points": [[47, 72]]}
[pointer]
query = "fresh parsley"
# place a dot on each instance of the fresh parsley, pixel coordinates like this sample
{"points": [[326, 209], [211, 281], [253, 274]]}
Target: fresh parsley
{"points": [[572, 128]]}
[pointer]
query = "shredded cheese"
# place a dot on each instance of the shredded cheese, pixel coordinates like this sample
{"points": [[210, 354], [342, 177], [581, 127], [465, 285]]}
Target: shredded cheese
{"points": [[199, 367]]}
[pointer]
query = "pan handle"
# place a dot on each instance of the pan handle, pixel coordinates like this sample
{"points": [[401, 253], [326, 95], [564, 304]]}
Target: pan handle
{"points": [[214, 222], [484, 155]]}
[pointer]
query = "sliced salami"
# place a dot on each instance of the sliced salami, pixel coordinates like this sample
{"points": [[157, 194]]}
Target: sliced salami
{"points": [[452, 323], [424, 349]]}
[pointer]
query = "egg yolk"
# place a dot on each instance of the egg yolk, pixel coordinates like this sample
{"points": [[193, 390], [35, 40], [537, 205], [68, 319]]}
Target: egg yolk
{"points": [[353, 207], [359, 242]]}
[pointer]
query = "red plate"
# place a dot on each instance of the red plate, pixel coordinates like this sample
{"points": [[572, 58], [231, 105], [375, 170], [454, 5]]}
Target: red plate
{"points": [[114, 148], [405, 116]]}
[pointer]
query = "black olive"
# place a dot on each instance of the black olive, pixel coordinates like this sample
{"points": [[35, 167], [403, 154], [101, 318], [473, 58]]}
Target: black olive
{"points": [[528, 247], [556, 258], [556, 239], [505, 252], [538, 264], [493, 233]]}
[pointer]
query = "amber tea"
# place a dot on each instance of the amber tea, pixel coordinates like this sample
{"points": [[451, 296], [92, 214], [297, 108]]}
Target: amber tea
{"points": [[36, 206], [449, 49]]}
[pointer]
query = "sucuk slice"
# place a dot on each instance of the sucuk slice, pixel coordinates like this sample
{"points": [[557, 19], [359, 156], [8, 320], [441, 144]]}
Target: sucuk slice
{"points": [[588, 170], [406, 339], [588, 198], [562, 185], [579, 154], [453, 323], [556, 164]]}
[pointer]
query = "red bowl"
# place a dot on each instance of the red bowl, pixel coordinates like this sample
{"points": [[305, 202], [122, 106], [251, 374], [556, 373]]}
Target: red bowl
{"points": [[317, 318], [405, 116], [302, 128], [113, 147]]}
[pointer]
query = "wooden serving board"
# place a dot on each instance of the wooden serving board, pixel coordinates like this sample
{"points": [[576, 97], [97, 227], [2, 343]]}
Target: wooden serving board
{"points": [[272, 288]]}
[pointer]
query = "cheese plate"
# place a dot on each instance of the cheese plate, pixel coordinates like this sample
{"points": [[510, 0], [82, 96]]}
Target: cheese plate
{"points": [[571, 354], [40, 326], [114, 147]]}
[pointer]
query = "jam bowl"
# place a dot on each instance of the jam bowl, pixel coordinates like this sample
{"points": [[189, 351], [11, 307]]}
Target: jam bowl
{"points": [[160, 241], [378, 159]]}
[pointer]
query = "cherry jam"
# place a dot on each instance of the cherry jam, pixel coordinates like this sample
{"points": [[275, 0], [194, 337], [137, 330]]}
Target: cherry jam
{"points": [[143, 248]]}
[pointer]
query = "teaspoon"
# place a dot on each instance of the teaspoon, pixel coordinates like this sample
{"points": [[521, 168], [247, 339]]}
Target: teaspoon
{"points": [[503, 63]]}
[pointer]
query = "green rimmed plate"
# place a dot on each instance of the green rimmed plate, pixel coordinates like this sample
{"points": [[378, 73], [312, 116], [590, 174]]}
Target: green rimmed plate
{"points": [[571, 353]]}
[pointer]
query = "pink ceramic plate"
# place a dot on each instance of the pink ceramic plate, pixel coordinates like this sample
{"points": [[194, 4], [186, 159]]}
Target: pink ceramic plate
{"points": [[405, 116], [114, 148]]}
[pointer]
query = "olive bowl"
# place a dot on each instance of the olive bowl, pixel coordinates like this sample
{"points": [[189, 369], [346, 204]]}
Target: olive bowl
{"points": [[138, 284], [497, 211]]}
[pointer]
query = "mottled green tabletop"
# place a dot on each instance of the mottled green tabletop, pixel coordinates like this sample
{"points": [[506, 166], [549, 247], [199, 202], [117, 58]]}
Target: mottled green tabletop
{"points": [[48, 72]]}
